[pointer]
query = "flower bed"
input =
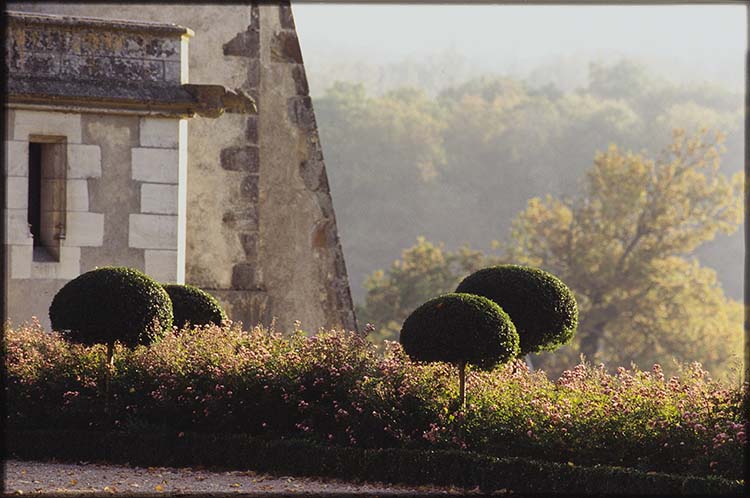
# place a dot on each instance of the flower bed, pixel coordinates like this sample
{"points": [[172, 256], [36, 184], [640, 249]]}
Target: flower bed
{"points": [[336, 388]]}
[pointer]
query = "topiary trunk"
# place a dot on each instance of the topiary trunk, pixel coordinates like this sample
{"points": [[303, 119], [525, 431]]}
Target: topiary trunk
{"points": [[462, 385], [108, 368]]}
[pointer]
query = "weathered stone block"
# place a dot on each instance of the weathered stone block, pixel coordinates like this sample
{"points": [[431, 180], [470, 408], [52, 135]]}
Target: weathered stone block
{"points": [[38, 64], [111, 69], [249, 307], [241, 159], [249, 243], [173, 72], [323, 235], [16, 158], [20, 261], [301, 113], [159, 132], [149, 47], [84, 161], [155, 165], [244, 44], [300, 80], [325, 202], [253, 74], [314, 150], [312, 173], [17, 192], [254, 15], [77, 195], [126, 45], [251, 129], [285, 48], [69, 266], [343, 295], [285, 16], [161, 265], [152, 231], [249, 188], [84, 229], [158, 198], [10, 119], [17, 227], [244, 276], [244, 219], [52, 40], [57, 124]]}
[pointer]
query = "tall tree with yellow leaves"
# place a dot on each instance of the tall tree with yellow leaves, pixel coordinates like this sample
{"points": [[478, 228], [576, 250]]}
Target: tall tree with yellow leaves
{"points": [[624, 246]]}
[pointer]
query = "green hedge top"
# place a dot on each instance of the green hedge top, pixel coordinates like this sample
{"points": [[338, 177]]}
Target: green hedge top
{"points": [[193, 305], [541, 306], [460, 327], [112, 304]]}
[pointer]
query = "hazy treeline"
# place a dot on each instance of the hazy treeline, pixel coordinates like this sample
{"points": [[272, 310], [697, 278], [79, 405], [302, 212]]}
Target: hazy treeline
{"points": [[460, 166], [591, 184]]}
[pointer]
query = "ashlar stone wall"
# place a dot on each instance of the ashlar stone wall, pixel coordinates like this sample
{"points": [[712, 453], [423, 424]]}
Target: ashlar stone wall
{"points": [[122, 201], [261, 230]]}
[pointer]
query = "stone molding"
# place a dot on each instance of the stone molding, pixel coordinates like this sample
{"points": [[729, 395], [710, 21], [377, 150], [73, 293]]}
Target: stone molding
{"points": [[79, 64]]}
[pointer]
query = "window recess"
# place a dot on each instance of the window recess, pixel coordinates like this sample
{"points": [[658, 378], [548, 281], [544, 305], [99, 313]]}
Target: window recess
{"points": [[47, 195]]}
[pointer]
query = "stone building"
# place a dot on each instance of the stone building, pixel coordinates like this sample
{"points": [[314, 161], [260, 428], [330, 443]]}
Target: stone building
{"points": [[236, 202]]}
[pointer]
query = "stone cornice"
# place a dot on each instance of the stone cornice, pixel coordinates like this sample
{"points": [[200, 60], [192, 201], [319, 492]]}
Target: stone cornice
{"points": [[69, 22], [141, 99]]}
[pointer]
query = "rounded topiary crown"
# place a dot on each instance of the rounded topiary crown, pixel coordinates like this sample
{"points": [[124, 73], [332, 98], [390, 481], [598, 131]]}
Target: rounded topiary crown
{"points": [[112, 304], [541, 306], [193, 305], [458, 328]]}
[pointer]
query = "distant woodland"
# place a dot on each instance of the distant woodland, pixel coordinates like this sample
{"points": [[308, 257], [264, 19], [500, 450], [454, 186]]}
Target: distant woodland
{"points": [[459, 165]]}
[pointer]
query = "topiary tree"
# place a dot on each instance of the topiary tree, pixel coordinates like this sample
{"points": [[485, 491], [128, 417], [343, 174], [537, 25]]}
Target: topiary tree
{"points": [[193, 305], [460, 329], [541, 306], [111, 304]]}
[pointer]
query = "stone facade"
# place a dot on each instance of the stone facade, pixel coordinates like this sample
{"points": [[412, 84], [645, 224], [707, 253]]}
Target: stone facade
{"points": [[260, 227], [123, 164]]}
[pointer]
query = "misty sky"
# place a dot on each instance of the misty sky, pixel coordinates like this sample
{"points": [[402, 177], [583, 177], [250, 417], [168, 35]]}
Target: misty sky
{"points": [[501, 37]]}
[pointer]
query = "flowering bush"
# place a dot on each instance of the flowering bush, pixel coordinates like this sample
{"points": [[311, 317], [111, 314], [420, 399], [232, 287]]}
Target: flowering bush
{"points": [[337, 387]]}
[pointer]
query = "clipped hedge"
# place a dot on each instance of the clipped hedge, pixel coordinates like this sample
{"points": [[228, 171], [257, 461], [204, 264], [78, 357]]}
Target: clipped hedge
{"points": [[336, 388], [541, 306], [401, 466], [112, 304], [457, 328], [194, 306]]}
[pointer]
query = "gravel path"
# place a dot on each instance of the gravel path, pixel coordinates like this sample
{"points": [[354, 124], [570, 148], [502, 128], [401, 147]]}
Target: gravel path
{"points": [[25, 477]]}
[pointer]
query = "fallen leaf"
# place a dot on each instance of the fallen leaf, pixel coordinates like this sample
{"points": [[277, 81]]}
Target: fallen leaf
{"points": [[159, 488], [73, 482], [110, 489], [235, 485]]}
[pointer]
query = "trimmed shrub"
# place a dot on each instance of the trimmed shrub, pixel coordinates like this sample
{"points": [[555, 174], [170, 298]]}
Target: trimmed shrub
{"points": [[460, 329], [541, 306], [194, 306], [457, 328], [112, 304]]}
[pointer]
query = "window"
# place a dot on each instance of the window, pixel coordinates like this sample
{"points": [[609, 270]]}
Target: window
{"points": [[46, 211]]}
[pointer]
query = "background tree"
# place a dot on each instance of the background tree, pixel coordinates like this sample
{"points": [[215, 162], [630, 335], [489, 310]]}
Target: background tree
{"points": [[425, 270], [624, 247], [458, 163]]}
